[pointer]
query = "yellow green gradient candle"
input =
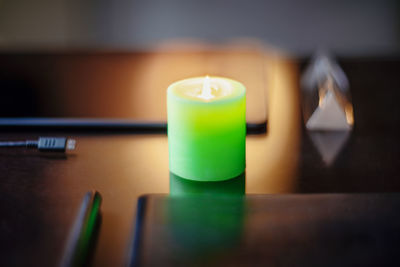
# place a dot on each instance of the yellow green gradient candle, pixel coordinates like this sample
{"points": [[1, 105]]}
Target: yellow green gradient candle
{"points": [[207, 128]]}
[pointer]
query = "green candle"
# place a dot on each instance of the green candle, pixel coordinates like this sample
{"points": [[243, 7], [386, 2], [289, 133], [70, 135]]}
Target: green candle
{"points": [[206, 128]]}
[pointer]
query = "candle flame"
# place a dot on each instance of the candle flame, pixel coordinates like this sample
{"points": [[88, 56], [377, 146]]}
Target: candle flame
{"points": [[206, 91]]}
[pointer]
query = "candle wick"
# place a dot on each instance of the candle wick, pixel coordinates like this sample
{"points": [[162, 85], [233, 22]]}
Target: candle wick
{"points": [[206, 91]]}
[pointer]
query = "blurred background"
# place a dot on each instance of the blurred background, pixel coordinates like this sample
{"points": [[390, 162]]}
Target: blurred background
{"points": [[347, 28]]}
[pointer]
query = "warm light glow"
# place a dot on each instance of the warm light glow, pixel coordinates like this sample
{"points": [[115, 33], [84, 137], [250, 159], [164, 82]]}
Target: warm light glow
{"points": [[206, 93], [272, 160], [155, 71]]}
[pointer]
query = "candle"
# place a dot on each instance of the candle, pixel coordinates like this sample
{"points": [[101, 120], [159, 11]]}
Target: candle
{"points": [[206, 128]]}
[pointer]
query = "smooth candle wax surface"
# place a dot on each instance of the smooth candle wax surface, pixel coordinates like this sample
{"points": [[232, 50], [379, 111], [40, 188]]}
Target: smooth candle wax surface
{"points": [[206, 128]]}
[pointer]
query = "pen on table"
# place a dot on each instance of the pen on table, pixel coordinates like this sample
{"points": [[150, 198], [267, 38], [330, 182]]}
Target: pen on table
{"points": [[81, 234]]}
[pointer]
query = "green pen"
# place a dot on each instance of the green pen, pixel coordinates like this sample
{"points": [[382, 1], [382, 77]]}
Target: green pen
{"points": [[78, 245]]}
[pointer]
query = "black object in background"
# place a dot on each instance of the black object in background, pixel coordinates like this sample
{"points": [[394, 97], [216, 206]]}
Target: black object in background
{"points": [[18, 96], [112, 91], [268, 230]]}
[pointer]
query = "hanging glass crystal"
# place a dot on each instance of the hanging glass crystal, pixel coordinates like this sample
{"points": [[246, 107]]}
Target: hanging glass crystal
{"points": [[326, 96]]}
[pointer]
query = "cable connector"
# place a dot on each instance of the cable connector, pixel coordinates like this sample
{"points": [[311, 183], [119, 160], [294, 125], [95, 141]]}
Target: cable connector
{"points": [[46, 144], [55, 144]]}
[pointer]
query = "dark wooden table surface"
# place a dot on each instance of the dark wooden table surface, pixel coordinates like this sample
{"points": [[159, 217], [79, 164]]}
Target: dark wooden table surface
{"points": [[40, 193], [268, 230]]}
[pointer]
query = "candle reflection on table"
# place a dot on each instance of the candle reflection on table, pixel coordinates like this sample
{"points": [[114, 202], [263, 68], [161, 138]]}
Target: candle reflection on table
{"points": [[183, 187], [203, 218], [194, 229]]}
